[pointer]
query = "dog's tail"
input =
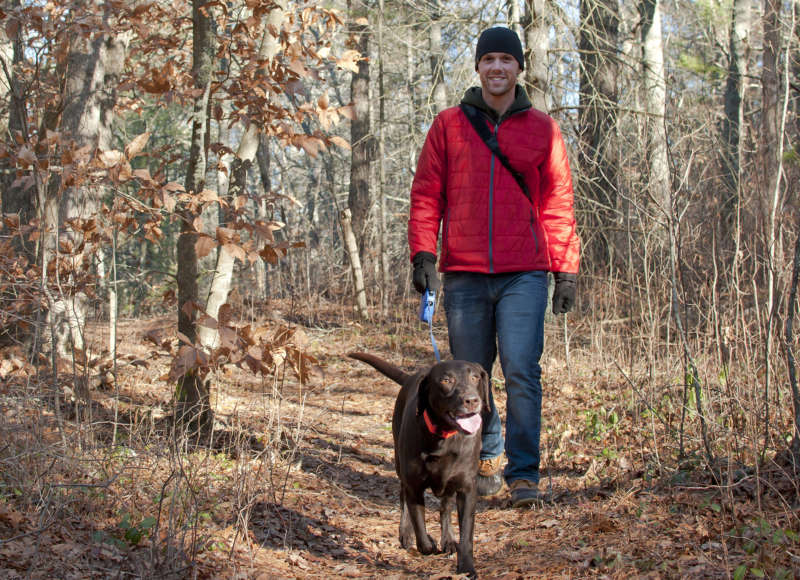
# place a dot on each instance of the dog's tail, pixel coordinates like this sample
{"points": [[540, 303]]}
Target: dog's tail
{"points": [[388, 369]]}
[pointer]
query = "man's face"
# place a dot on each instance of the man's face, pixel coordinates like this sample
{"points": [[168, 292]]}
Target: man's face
{"points": [[498, 73]]}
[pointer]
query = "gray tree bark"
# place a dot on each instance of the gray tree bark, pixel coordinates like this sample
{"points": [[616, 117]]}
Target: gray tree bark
{"points": [[361, 153], [360, 138], [94, 64], [439, 89], [655, 90], [738, 49], [537, 44]]}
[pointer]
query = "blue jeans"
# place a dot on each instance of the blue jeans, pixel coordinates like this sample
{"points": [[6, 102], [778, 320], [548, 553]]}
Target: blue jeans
{"points": [[509, 308]]}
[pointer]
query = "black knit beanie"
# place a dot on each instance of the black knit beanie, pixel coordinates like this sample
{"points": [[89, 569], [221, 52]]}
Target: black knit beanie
{"points": [[499, 39]]}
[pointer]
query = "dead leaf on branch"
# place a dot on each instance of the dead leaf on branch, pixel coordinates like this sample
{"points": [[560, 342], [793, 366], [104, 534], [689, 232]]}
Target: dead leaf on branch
{"points": [[236, 251], [143, 175], [227, 236], [168, 202], [264, 229], [348, 111], [188, 359], [135, 147], [311, 145], [297, 67], [111, 158], [225, 314], [173, 186], [349, 60], [204, 245], [209, 196], [339, 141], [207, 321]]}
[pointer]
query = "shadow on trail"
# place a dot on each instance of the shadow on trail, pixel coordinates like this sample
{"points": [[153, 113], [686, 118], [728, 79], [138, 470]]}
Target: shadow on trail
{"points": [[282, 528]]}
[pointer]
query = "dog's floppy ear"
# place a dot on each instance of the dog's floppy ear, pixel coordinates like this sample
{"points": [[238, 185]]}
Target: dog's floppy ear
{"points": [[484, 391], [422, 393]]}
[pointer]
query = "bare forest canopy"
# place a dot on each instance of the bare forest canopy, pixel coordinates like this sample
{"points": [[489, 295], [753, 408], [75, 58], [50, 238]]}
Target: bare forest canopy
{"points": [[236, 169]]}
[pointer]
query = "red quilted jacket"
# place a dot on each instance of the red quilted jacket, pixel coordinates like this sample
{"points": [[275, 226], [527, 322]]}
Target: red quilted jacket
{"points": [[488, 225]]}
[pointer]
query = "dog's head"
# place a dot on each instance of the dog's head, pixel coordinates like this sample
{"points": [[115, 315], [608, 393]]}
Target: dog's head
{"points": [[456, 392]]}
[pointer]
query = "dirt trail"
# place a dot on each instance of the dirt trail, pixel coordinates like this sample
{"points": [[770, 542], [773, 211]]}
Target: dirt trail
{"points": [[339, 516]]}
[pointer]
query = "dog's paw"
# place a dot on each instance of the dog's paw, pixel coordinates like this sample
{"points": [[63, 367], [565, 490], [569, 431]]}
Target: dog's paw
{"points": [[468, 570], [407, 541], [427, 546], [449, 546]]}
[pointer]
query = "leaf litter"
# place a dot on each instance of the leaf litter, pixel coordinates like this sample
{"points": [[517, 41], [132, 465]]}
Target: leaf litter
{"points": [[300, 481]]}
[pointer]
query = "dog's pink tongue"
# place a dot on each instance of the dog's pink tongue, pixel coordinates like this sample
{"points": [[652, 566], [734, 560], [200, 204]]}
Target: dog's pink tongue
{"points": [[470, 424]]}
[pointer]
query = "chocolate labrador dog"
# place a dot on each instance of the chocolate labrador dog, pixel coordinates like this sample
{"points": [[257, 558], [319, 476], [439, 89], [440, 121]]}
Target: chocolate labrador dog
{"points": [[436, 428]]}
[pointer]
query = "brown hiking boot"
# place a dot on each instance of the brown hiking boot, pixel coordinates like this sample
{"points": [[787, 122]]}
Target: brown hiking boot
{"points": [[524, 493], [489, 480]]}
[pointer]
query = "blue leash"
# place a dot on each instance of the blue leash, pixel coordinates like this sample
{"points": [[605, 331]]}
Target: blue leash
{"points": [[426, 307]]}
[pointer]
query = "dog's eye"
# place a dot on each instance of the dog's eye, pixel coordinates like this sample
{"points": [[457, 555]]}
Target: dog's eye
{"points": [[474, 378]]}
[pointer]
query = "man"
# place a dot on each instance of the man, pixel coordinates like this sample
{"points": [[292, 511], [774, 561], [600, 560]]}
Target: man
{"points": [[498, 243]]}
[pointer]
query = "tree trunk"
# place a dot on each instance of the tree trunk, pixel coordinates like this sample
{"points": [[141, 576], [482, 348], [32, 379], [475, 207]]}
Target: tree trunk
{"points": [[15, 198], [93, 67], [791, 362], [351, 246], [655, 91], [360, 139], [439, 89], [193, 398], [537, 44], [598, 104], [382, 229], [771, 171], [264, 161], [734, 114]]}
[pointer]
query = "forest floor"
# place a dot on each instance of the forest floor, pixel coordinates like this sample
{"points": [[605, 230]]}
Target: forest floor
{"points": [[300, 482]]}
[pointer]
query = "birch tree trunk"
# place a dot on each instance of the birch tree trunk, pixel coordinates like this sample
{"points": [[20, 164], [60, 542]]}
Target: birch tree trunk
{"points": [[246, 153], [351, 246]]}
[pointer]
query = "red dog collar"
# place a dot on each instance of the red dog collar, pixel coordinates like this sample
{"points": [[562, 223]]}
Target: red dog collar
{"points": [[443, 433]]}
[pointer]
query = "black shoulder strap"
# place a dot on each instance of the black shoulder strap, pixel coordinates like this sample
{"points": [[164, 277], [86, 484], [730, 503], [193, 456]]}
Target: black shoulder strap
{"points": [[478, 122]]}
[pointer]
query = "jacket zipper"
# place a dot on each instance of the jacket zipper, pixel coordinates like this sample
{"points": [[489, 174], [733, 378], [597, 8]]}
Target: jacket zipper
{"points": [[491, 205]]}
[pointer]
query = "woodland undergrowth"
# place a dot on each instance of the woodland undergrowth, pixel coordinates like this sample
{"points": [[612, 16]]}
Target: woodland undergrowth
{"points": [[95, 480]]}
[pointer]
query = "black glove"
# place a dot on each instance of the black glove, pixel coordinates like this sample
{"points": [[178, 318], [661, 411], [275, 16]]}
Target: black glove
{"points": [[564, 293], [425, 272]]}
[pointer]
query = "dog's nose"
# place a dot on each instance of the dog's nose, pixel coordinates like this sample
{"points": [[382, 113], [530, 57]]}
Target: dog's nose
{"points": [[472, 403]]}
